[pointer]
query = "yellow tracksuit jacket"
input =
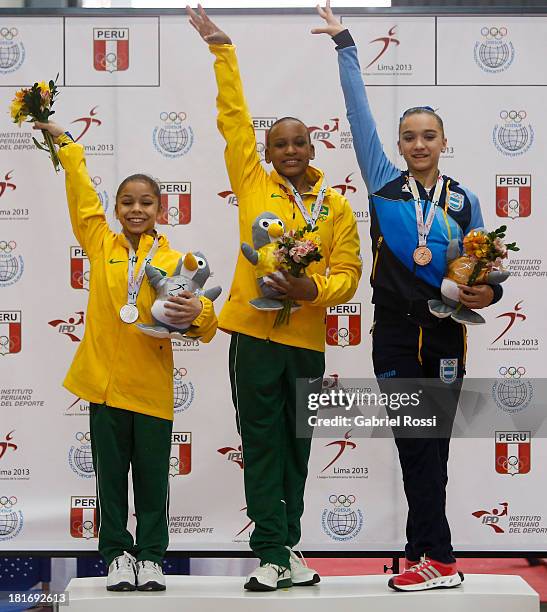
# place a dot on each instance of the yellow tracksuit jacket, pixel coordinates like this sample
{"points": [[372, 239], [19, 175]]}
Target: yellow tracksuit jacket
{"points": [[336, 275], [115, 363]]}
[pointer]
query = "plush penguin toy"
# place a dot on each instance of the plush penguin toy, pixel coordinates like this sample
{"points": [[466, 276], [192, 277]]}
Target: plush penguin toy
{"points": [[266, 229], [459, 269], [191, 273]]}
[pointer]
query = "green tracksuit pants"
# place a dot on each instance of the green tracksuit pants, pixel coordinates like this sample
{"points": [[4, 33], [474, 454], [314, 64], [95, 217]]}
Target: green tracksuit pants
{"points": [[276, 439], [121, 439]]}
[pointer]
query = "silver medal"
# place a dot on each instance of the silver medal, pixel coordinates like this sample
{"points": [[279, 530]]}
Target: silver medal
{"points": [[129, 313]]}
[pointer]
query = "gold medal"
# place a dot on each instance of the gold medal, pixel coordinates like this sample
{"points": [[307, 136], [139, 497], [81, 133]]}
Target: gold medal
{"points": [[422, 255]]}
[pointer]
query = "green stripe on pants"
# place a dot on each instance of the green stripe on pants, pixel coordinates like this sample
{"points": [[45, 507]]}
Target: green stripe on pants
{"points": [[120, 439], [263, 376]]}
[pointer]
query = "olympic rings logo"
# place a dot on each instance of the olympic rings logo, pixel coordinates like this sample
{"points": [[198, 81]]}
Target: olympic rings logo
{"points": [[511, 206], [7, 344], [83, 436], [8, 33], [510, 464], [8, 502], [86, 528], [513, 115], [173, 116], [342, 500], [81, 278], [494, 33], [512, 371], [7, 247], [179, 373], [341, 335], [110, 60]]}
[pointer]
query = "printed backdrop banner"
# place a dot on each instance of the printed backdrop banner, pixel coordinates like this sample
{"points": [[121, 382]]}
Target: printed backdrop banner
{"points": [[139, 93]]}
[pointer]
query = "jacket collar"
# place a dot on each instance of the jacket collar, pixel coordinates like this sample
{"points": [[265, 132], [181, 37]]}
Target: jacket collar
{"points": [[146, 241], [314, 175]]}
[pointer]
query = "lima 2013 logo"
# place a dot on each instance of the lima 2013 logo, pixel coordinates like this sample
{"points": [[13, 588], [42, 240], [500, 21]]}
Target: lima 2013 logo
{"points": [[110, 49], [10, 332], [494, 52], [7, 443], [513, 137], [183, 390], [11, 518], [341, 520], [176, 203], [11, 264], [80, 458], [180, 461], [12, 52], [173, 138]]}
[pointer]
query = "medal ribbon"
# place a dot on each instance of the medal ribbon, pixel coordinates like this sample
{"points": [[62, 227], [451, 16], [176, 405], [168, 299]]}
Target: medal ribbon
{"points": [[134, 284], [316, 206], [425, 228]]}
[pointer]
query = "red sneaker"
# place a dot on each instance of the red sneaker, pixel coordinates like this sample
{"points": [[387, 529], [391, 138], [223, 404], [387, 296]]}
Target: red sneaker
{"points": [[409, 563], [427, 574]]}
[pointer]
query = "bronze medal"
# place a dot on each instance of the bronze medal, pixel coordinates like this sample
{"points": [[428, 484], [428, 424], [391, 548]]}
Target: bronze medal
{"points": [[422, 255]]}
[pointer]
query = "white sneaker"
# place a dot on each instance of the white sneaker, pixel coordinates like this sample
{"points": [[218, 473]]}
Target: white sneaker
{"points": [[150, 576], [269, 577], [121, 574], [301, 574]]}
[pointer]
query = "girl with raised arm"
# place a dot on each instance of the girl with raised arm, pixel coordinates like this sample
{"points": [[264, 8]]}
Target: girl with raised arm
{"points": [[415, 214], [125, 375], [266, 360]]}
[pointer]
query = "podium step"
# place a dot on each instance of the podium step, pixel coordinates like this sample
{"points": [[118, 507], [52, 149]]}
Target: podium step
{"points": [[480, 592]]}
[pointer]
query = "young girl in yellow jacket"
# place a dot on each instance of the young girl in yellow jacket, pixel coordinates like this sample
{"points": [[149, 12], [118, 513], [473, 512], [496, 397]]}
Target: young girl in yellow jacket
{"points": [[266, 360], [126, 375]]}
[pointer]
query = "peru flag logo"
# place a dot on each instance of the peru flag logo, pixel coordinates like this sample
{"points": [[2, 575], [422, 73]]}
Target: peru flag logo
{"points": [[111, 49], [79, 269], [10, 332], [513, 452], [180, 462], [176, 204], [513, 195], [344, 325], [83, 517]]}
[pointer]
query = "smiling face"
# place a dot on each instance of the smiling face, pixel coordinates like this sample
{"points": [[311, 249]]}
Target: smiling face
{"points": [[289, 148], [137, 208], [421, 141]]}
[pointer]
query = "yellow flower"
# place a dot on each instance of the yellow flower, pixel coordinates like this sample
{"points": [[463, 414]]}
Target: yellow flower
{"points": [[44, 87], [16, 111]]}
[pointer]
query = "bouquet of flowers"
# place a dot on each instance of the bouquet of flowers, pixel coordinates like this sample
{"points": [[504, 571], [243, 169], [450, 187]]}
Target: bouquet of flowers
{"points": [[480, 263], [295, 251], [486, 252], [34, 104]]}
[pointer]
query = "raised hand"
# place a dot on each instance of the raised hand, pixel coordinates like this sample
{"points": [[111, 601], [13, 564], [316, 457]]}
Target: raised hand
{"points": [[332, 24], [53, 128], [210, 33]]}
